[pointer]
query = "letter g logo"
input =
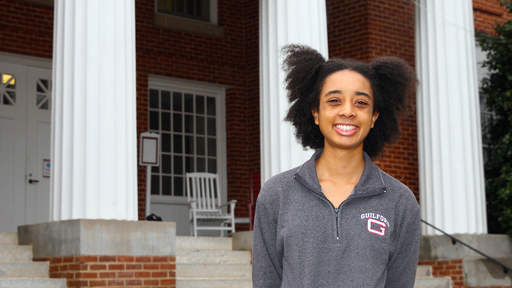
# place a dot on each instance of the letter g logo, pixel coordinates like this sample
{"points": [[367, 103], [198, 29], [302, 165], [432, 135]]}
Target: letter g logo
{"points": [[380, 225]]}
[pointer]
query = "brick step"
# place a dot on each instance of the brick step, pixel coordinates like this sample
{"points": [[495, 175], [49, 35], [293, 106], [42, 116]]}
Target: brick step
{"points": [[24, 270], [209, 283], [436, 282], [8, 238], [203, 243], [482, 272], [212, 257], [15, 253], [424, 271], [213, 271], [32, 283]]}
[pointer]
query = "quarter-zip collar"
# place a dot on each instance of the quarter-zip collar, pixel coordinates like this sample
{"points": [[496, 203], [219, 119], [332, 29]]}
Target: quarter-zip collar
{"points": [[371, 182]]}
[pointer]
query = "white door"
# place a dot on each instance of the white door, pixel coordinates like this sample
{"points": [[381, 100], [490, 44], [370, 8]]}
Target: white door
{"points": [[37, 205], [12, 146], [24, 145]]}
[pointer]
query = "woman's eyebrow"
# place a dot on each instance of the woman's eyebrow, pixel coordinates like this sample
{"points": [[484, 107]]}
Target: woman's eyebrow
{"points": [[333, 92], [363, 94], [340, 92]]}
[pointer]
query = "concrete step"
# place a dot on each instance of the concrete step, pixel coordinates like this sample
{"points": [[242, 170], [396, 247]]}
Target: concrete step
{"points": [[24, 269], [8, 238], [15, 253], [32, 283], [212, 257], [203, 243], [209, 283], [213, 271], [424, 271], [436, 282], [482, 272]]}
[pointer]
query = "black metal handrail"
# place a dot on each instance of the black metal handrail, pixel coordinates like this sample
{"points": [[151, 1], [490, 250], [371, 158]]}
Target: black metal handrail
{"points": [[455, 240]]}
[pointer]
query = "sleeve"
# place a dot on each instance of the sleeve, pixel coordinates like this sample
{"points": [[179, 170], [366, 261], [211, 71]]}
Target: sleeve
{"points": [[266, 260], [401, 270]]}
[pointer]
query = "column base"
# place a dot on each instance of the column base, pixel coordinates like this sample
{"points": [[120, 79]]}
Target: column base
{"points": [[105, 252]]}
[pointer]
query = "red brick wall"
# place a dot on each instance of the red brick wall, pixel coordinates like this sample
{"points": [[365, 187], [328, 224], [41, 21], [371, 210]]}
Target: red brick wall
{"points": [[486, 13], [363, 30], [26, 28], [231, 61], [118, 271], [454, 269]]}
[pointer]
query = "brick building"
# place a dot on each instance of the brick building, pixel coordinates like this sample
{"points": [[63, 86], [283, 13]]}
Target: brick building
{"points": [[180, 60], [198, 84]]}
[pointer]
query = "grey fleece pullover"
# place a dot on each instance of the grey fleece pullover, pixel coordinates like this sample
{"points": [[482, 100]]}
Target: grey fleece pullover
{"points": [[302, 240]]}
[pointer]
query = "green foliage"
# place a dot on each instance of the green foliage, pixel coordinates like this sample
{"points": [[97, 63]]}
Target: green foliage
{"points": [[498, 90]]}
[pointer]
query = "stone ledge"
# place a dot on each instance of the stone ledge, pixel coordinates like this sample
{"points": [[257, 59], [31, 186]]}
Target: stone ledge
{"points": [[441, 247], [99, 237]]}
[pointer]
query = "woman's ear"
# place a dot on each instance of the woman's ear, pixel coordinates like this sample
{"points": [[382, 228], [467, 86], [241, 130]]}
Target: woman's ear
{"points": [[314, 112], [374, 118]]}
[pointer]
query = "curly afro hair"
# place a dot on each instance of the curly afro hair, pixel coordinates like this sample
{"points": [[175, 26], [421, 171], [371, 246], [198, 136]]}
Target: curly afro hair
{"points": [[392, 81]]}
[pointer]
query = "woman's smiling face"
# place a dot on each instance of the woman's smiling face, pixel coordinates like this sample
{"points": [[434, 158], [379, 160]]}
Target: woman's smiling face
{"points": [[345, 114]]}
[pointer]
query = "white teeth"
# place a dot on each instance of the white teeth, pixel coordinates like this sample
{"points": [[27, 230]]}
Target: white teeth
{"points": [[346, 127]]}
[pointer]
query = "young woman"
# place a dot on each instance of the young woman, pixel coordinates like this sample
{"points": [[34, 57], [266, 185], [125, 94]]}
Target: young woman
{"points": [[338, 220]]}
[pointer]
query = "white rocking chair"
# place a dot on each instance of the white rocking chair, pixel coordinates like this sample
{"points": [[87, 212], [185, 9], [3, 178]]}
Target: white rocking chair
{"points": [[205, 204]]}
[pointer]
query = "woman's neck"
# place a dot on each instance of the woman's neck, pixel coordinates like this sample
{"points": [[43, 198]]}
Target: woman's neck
{"points": [[344, 165]]}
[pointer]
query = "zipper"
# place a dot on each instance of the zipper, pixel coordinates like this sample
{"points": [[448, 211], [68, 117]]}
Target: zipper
{"points": [[337, 230], [336, 210]]}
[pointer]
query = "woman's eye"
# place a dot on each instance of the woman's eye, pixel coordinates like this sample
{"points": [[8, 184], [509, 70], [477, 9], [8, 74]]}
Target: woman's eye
{"points": [[362, 103], [333, 101]]}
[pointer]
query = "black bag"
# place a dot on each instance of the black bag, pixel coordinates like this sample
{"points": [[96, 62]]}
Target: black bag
{"points": [[153, 217]]}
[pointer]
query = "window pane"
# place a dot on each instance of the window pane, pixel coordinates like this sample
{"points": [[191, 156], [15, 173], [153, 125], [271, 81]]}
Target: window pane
{"points": [[199, 104], [166, 142], [176, 102], [165, 5], [178, 143], [212, 147], [166, 100], [178, 165], [177, 122], [201, 164], [155, 185], [166, 185], [166, 121], [189, 7], [178, 186], [44, 106], [166, 164], [212, 129], [180, 6], [153, 98], [212, 165], [155, 169], [189, 164], [189, 145], [210, 106], [153, 120], [200, 146], [203, 9], [189, 124], [189, 103], [200, 125]]}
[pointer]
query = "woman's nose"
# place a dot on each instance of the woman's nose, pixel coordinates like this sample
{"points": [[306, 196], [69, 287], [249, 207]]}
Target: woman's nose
{"points": [[347, 110]]}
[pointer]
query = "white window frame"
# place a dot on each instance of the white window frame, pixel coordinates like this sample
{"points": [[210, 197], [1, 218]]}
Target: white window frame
{"points": [[202, 88], [214, 12]]}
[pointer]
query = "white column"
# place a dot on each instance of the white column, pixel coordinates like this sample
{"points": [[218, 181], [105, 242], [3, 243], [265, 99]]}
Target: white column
{"points": [[284, 22], [452, 193], [93, 111]]}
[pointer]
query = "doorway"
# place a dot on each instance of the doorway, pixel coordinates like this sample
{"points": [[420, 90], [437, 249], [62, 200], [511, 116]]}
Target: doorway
{"points": [[25, 128]]}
